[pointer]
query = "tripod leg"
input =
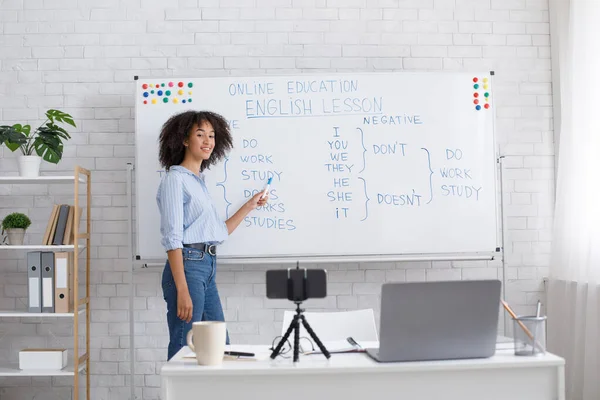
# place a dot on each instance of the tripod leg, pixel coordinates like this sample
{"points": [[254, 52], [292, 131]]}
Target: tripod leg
{"points": [[296, 340], [315, 338], [285, 337]]}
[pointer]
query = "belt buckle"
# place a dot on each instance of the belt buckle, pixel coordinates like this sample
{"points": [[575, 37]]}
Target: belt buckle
{"points": [[211, 249]]}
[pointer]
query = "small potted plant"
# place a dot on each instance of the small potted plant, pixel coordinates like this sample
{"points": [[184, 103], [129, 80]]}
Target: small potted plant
{"points": [[15, 225], [45, 142]]}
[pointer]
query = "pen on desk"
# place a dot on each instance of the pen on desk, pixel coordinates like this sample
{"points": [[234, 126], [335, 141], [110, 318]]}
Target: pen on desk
{"points": [[353, 342], [239, 354], [539, 309], [267, 187]]}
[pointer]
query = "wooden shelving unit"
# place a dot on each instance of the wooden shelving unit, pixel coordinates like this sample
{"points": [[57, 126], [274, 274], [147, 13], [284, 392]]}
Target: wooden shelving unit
{"points": [[81, 362]]}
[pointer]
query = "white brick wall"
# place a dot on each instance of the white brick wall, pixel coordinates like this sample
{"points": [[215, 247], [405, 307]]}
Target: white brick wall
{"points": [[81, 56]]}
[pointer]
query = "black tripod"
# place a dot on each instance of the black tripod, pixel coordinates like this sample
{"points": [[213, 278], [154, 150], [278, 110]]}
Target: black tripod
{"points": [[295, 326]]}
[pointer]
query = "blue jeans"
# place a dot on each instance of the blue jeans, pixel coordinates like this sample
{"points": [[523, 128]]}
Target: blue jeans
{"points": [[200, 272]]}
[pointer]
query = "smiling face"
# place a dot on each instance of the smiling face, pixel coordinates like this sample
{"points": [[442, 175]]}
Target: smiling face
{"points": [[201, 141]]}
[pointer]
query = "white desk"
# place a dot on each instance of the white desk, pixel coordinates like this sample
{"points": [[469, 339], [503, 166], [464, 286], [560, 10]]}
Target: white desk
{"points": [[356, 376]]}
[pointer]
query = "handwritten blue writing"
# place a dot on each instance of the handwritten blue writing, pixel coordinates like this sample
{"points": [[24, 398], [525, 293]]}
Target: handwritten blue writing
{"points": [[461, 191], [338, 144], [339, 196], [272, 207], [339, 156], [260, 175], [250, 89], [461, 173], [276, 107], [257, 159], [411, 199], [389, 148], [339, 167], [337, 153], [272, 194], [316, 86], [252, 143], [430, 174], [341, 182], [352, 104], [344, 212], [270, 223], [393, 120], [456, 154]]}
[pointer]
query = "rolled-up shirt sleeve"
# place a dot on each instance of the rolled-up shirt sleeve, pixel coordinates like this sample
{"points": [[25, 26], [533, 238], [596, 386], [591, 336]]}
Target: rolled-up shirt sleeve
{"points": [[170, 204]]}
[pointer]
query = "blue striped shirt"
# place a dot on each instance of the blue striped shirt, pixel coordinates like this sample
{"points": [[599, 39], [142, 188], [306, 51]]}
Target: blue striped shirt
{"points": [[187, 212]]}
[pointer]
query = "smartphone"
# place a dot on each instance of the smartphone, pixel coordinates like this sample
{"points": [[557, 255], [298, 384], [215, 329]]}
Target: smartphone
{"points": [[297, 284]]}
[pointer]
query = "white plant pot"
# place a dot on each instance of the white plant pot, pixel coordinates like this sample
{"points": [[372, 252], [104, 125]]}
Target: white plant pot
{"points": [[29, 166], [15, 236]]}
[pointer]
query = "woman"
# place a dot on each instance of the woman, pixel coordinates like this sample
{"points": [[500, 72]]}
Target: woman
{"points": [[190, 225]]}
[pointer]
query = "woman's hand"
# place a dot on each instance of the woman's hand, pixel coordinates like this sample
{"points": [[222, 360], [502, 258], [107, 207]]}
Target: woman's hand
{"points": [[256, 201], [184, 305]]}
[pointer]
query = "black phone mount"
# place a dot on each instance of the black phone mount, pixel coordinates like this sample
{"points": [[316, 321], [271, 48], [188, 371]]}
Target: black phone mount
{"points": [[295, 326]]}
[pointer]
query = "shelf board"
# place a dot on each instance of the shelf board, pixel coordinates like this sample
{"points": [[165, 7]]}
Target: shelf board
{"points": [[62, 247], [25, 314], [38, 180], [13, 370]]}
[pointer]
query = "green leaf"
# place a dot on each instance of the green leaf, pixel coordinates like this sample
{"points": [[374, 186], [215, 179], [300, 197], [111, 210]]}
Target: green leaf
{"points": [[60, 117], [12, 146], [49, 147], [26, 129], [58, 131], [12, 136]]}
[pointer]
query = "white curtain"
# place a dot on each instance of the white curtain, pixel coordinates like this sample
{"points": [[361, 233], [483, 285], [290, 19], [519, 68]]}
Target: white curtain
{"points": [[573, 290]]}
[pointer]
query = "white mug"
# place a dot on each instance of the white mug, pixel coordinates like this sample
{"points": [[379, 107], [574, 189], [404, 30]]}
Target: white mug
{"points": [[207, 340]]}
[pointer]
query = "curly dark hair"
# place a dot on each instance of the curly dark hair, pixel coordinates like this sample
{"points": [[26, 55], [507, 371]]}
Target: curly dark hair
{"points": [[178, 128]]}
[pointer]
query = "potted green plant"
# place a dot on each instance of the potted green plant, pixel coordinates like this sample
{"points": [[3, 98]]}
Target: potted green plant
{"points": [[15, 225], [45, 142]]}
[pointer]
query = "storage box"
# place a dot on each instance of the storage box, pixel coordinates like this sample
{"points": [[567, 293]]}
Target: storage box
{"points": [[47, 359]]}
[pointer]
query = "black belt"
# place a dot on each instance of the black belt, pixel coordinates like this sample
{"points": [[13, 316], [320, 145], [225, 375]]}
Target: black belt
{"points": [[207, 248]]}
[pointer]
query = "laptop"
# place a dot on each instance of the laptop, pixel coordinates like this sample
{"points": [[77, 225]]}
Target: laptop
{"points": [[438, 320]]}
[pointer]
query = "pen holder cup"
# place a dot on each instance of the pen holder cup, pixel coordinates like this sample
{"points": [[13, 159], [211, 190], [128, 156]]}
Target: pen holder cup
{"points": [[529, 335]]}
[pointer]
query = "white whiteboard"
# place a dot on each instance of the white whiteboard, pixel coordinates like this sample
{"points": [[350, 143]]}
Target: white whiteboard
{"points": [[362, 164]]}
